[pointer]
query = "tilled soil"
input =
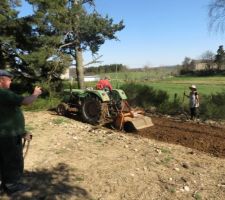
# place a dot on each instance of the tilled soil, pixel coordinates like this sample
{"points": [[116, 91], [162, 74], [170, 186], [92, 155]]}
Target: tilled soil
{"points": [[203, 137]]}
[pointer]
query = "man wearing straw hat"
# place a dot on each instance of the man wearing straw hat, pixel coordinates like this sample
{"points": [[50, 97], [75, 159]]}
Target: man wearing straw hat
{"points": [[193, 101]]}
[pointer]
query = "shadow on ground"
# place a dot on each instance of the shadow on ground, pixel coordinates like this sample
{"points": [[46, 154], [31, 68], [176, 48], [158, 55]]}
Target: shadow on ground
{"points": [[58, 183]]}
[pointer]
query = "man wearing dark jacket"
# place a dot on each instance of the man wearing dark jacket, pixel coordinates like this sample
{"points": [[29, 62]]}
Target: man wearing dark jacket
{"points": [[12, 130]]}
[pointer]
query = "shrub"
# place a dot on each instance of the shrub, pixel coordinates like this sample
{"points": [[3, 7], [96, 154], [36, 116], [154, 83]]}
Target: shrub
{"points": [[213, 106], [172, 108], [144, 96]]}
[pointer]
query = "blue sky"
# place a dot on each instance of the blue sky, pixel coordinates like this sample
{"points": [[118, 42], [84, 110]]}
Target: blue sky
{"points": [[157, 32]]}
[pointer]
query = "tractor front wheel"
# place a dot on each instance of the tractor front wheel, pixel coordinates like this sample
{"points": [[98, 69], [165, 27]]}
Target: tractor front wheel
{"points": [[62, 109]]}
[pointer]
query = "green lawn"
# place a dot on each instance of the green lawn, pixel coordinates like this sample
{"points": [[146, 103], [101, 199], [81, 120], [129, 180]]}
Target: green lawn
{"points": [[180, 88], [205, 85]]}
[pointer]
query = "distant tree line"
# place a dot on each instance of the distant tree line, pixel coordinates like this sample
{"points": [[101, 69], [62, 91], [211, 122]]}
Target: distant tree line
{"points": [[106, 69]]}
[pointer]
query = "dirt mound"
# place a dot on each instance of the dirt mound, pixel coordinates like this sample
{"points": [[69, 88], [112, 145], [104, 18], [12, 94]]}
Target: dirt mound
{"points": [[206, 138]]}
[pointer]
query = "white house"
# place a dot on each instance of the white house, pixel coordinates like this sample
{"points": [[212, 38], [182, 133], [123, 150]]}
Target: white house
{"points": [[71, 73], [91, 78]]}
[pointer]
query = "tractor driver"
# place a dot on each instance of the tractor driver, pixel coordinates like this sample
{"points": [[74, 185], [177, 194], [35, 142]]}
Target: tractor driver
{"points": [[104, 84]]}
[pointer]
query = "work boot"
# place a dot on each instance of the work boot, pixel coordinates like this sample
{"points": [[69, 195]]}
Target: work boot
{"points": [[15, 188]]}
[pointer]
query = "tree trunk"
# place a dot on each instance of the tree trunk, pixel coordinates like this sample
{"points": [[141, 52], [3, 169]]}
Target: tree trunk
{"points": [[79, 68]]}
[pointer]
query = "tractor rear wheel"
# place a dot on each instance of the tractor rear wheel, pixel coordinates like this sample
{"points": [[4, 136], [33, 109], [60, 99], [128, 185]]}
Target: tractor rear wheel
{"points": [[93, 110]]}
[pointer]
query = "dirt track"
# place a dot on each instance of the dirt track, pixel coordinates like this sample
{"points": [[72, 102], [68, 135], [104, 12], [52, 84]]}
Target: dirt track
{"points": [[203, 137]]}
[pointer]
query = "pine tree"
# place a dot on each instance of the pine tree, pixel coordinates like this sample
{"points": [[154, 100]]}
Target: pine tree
{"points": [[8, 24], [220, 57], [66, 25], [23, 50]]}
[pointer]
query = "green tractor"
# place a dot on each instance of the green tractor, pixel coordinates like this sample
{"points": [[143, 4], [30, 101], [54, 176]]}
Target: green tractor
{"points": [[100, 107]]}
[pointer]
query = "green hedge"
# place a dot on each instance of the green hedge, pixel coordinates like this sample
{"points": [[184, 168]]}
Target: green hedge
{"points": [[144, 96], [211, 106]]}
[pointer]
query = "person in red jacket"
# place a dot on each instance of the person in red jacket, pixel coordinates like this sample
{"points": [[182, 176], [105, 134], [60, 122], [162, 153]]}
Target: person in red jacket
{"points": [[104, 84]]}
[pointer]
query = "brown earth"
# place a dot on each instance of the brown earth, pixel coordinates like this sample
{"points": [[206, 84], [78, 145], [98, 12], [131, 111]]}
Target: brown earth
{"points": [[203, 137], [71, 160]]}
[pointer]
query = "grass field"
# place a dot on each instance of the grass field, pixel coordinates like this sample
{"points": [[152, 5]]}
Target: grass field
{"points": [[206, 85], [172, 85]]}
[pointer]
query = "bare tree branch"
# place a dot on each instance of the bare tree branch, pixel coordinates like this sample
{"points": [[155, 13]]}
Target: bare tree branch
{"points": [[91, 2], [217, 15], [67, 44], [94, 61]]}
